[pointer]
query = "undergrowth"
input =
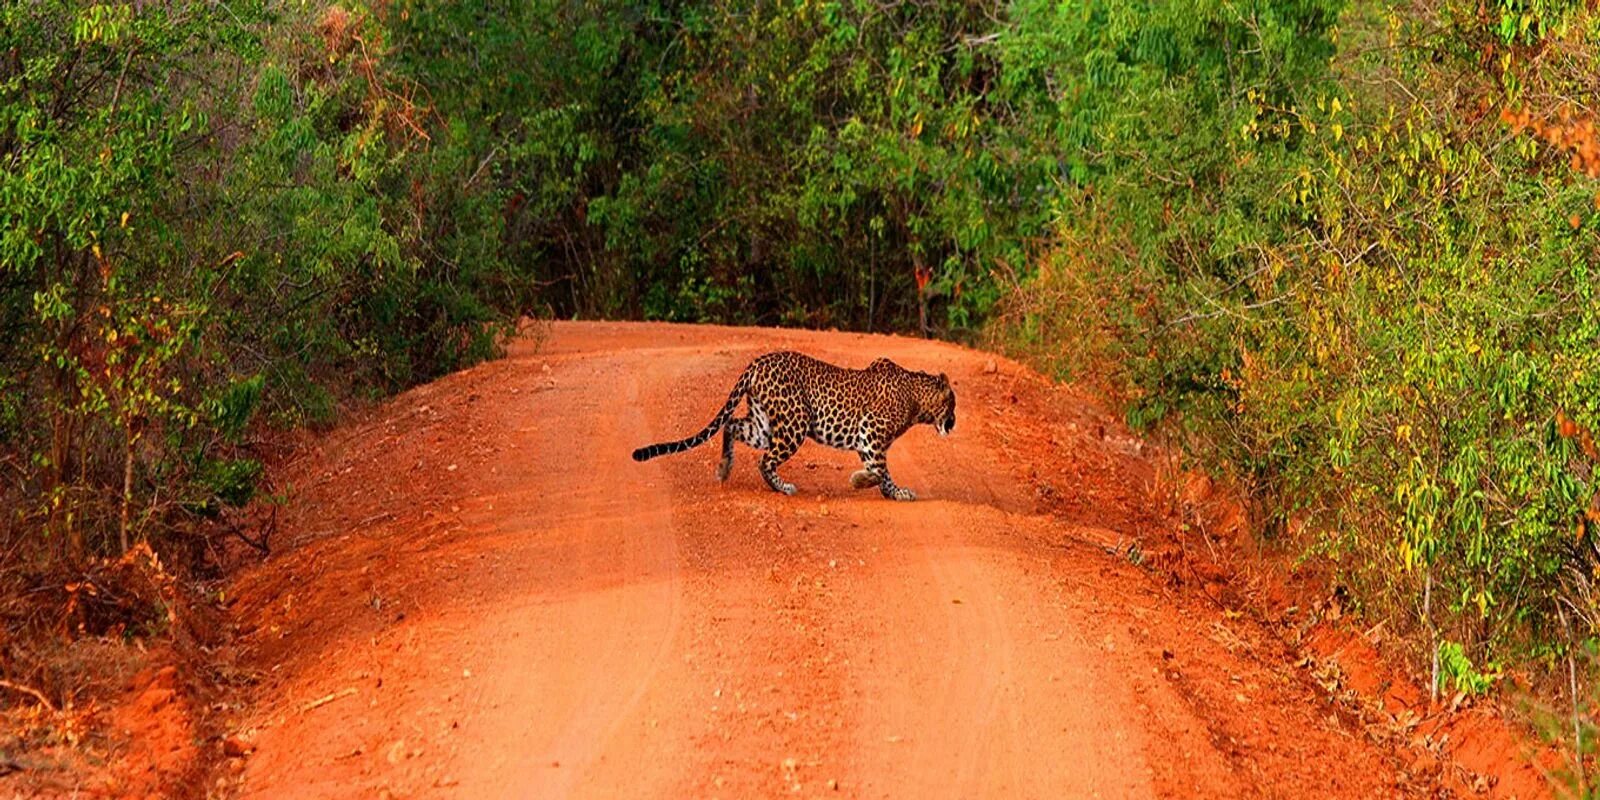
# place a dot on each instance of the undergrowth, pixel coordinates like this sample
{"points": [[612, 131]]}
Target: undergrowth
{"points": [[1356, 273]]}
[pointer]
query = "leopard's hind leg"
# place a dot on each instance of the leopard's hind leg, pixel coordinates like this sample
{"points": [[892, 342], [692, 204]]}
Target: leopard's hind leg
{"points": [[728, 435], [744, 430], [786, 439], [752, 430]]}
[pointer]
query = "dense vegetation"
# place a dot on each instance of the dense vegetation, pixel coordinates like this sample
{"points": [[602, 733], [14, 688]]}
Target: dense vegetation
{"points": [[1342, 248], [1362, 274]]}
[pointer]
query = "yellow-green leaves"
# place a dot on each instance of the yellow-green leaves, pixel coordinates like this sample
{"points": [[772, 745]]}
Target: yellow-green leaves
{"points": [[102, 23]]}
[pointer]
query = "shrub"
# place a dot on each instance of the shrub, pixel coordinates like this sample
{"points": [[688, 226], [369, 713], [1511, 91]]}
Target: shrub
{"points": [[1366, 288]]}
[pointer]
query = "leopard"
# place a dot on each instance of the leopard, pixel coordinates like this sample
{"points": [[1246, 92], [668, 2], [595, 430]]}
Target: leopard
{"points": [[791, 397]]}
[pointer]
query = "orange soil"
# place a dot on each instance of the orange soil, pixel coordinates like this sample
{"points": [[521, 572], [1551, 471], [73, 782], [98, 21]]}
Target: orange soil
{"points": [[478, 593]]}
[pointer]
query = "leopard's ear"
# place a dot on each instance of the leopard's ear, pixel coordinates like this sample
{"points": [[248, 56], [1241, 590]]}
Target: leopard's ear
{"points": [[944, 380]]}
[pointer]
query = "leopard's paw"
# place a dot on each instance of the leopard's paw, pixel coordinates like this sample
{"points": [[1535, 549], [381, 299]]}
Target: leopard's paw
{"points": [[862, 479]]}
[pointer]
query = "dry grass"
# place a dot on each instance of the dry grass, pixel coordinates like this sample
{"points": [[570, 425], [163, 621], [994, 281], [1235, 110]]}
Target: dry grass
{"points": [[72, 641]]}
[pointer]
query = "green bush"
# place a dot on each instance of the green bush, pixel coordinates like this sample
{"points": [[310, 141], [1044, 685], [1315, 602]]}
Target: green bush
{"points": [[1341, 272], [209, 210], [784, 163]]}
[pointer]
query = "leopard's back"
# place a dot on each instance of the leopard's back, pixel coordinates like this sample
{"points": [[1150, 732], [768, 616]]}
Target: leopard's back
{"points": [[797, 394]]}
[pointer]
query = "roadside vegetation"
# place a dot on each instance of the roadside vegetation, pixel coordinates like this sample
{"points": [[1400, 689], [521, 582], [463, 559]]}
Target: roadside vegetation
{"points": [[1343, 252], [1347, 251]]}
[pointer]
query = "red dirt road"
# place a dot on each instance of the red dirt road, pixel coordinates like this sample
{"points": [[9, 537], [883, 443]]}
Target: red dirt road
{"points": [[476, 593]]}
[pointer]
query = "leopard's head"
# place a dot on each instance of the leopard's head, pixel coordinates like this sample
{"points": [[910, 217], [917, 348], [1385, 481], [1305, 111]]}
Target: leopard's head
{"points": [[937, 403]]}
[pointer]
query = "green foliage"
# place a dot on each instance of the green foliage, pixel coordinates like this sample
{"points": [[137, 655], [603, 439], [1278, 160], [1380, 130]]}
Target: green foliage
{"points": [[231, 481], [827, 163], [229, 412], [1338, 269], [1439, 328], [1168, 205], [209, 211], [1455, 667]]}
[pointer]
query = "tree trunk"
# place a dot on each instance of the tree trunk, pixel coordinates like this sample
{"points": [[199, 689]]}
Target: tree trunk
{"points": [[1433, 635], [127, 486]]}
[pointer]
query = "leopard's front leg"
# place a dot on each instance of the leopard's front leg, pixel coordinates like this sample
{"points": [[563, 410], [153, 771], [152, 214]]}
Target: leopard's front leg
{"points": [[876, 473], [864, 478]]}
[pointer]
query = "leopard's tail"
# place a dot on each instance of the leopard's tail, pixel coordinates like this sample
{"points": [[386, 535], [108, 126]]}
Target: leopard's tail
{"points": [[665, 448]]}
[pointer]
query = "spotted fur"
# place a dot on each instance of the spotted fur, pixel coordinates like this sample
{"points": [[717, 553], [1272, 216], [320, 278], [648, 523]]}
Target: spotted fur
{"points": [[791, 397]]}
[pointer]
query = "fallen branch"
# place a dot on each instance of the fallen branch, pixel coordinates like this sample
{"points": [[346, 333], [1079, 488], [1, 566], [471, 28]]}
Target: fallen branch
{"points": [[382, 516], [28, 690], [326, 699], [260, 543]]}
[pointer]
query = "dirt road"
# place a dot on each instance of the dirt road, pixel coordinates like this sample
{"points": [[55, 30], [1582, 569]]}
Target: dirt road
{"points": [[475, 593]]}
